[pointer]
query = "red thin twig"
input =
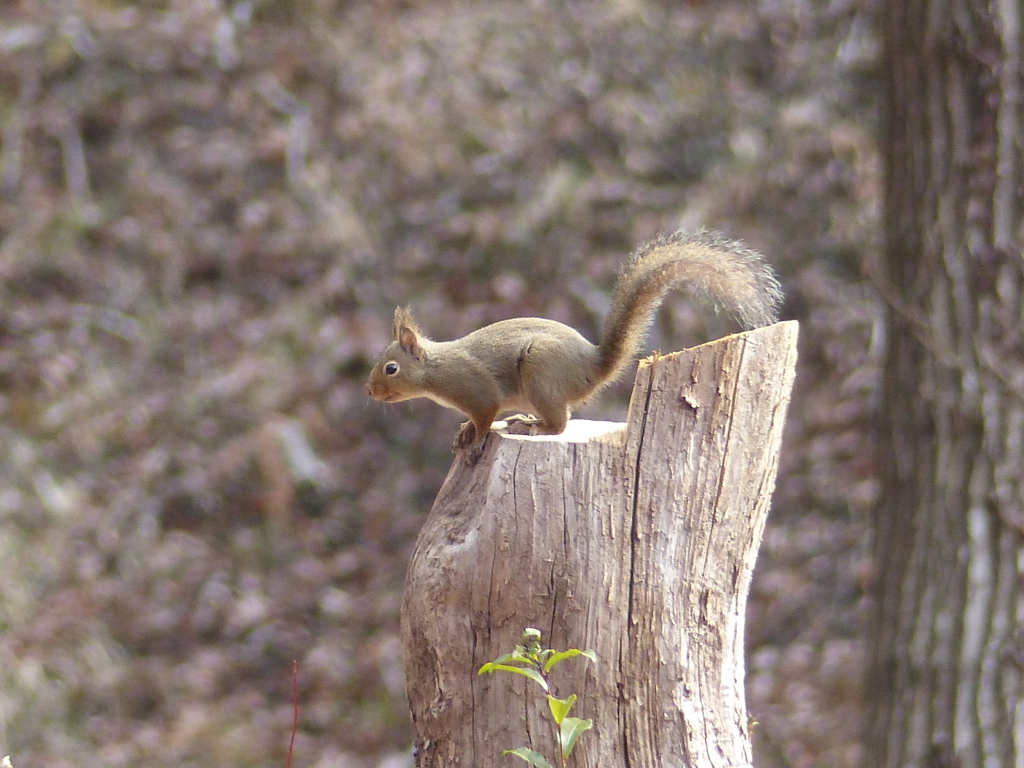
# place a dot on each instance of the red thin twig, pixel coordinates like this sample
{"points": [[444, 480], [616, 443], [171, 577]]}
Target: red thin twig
{"points": [[295, 721]]}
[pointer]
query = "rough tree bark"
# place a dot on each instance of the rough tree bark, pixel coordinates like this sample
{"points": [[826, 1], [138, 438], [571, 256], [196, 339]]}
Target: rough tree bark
{"points": [[635, 540], [947, 649]]}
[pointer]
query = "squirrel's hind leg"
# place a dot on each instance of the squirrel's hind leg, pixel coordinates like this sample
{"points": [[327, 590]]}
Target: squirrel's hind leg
{"points": [[548, 385], [550, 420], [521, 424]]}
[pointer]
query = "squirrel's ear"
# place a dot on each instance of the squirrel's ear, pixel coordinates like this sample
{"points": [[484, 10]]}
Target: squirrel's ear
{"points": [[402, 317], [410, 342], [406, 333]]}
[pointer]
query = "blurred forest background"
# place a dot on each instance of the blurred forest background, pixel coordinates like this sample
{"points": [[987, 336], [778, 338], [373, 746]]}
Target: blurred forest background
{"points": [[208, 211]]}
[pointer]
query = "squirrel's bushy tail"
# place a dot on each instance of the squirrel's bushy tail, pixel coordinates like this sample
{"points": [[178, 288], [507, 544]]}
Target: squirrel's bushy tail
{"points": [[708, 265]]}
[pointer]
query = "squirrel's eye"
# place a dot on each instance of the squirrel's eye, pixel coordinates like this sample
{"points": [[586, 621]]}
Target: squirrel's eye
{"points": [[391, 369]]}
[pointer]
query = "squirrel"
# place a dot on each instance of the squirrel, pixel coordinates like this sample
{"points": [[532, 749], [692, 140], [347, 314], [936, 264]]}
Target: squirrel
{"points": [[543, 367]]}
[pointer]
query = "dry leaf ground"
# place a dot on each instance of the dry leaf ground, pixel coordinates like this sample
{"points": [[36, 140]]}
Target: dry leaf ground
{"points": [[208, 210]]}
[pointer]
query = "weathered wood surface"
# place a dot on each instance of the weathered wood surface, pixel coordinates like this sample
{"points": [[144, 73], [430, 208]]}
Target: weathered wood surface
{"points": [[636, 540]]}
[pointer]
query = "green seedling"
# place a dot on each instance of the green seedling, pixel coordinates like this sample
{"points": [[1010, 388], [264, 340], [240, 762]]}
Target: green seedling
{"points": [[533, 662]]}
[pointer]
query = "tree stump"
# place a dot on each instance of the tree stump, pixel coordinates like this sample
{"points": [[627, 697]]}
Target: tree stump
{"points": [[636, 540]]}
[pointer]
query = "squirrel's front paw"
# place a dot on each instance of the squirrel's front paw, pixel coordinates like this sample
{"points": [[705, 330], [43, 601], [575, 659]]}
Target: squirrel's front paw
{"points": [[465, 436], [466, 439]]}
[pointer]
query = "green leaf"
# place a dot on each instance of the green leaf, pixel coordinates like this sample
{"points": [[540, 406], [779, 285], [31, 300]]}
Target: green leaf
{"points": [[571, 729], [563, 655], [512, 658], [560, 707], [533, 758], [529, 672]]}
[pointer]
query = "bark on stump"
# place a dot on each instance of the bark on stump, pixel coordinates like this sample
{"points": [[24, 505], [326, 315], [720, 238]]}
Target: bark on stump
{"points": [[636, 540]]}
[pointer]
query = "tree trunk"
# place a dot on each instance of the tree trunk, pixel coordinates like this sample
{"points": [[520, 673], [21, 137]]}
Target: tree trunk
{"points": [[635, 540], [947, 652]]}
